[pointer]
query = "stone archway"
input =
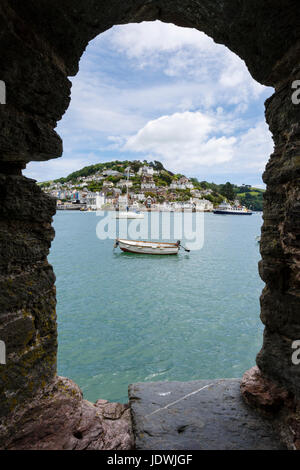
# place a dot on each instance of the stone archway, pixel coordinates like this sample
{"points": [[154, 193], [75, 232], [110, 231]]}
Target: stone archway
{"points": [[41, 44]]}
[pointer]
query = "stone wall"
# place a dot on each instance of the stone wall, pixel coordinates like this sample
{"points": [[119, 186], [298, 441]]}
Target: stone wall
{"points": [[280, 244], [41, 43], [27, 292]]}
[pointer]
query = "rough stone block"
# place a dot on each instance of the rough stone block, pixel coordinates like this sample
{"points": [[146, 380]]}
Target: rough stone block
{"points": [[199, 415]]}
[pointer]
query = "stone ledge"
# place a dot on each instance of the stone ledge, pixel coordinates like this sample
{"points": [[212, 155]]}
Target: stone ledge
{"points": [[199, 415], [58, 418]]}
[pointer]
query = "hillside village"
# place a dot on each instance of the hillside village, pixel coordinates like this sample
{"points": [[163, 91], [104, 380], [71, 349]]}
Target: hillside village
{"points": [[144, 185]]}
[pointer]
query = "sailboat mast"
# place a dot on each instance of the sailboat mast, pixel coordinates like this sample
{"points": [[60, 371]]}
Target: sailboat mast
{"points": [[127, 189]]}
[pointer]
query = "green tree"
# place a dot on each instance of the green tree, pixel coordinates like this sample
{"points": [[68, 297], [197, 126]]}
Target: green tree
{"points": [[158, 166], [227, 191], [165, 176], [135, 166]]}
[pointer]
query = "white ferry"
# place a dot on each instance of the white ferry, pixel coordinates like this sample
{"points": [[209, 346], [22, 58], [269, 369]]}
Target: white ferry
{"points": [[227, 209]]}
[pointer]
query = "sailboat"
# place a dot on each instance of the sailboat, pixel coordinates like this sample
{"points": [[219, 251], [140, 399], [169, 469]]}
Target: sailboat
{"points": [[129, 214]]}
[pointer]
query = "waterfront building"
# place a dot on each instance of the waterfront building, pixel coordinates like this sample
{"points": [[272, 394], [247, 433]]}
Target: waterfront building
{"points": [[202, 205], [100, 200], [122, 200], [90, 200]]}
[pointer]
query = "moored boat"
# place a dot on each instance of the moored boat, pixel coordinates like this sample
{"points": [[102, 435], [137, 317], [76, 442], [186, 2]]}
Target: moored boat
{"points": [[148, 247], [129, 215], [227, 209]]}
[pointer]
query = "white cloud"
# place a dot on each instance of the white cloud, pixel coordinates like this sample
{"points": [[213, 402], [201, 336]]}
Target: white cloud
{"points": [[186, 52], [148, 38], [168, 91], [191, 141], [201, 75], [254, 148], [100, 107], [57, 168], [183, 139]]}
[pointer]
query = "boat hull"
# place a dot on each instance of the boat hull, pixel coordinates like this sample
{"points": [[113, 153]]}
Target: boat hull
{"points": [[148, 248], [129, 215], [232, 212]]}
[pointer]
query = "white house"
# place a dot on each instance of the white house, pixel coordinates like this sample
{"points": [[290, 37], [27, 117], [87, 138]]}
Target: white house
{"points": [[147, 182], [89, 179], [196, 193], [94, 201], [147, 170], [141, 196], [124, 184], [206, 192], [128, 170], [202, 204], [108, 184], [100, 200], [90, 200], [98, 178], [111, 173], [182, 183], [123, 201]]}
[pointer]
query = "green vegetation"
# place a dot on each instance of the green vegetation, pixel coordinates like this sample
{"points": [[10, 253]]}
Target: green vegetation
{"points": [[93, 169], [253, 199], [95, 186], [227, 191], [248, 196]]}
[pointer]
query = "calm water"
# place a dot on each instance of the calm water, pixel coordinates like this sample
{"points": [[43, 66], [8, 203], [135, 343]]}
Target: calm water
{"points": [[128, 318]]}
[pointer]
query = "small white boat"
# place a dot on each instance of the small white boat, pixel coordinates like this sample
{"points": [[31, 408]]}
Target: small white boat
{"points": [[129, 215], [148, 248]]}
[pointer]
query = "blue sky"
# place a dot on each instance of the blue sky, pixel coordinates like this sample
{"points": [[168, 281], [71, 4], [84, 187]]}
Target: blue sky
{"points": [[155, 91]]}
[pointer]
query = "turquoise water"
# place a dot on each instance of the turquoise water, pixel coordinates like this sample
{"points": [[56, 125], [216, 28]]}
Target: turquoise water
{"points": [[126, 318]]}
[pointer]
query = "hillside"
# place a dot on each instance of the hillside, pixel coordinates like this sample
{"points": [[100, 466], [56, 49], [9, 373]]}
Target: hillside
{"points": [[156, 181], [250, 197]]}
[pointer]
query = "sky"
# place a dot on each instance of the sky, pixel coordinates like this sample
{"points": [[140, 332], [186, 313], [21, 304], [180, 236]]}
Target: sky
{"points": [[155, 91]]}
